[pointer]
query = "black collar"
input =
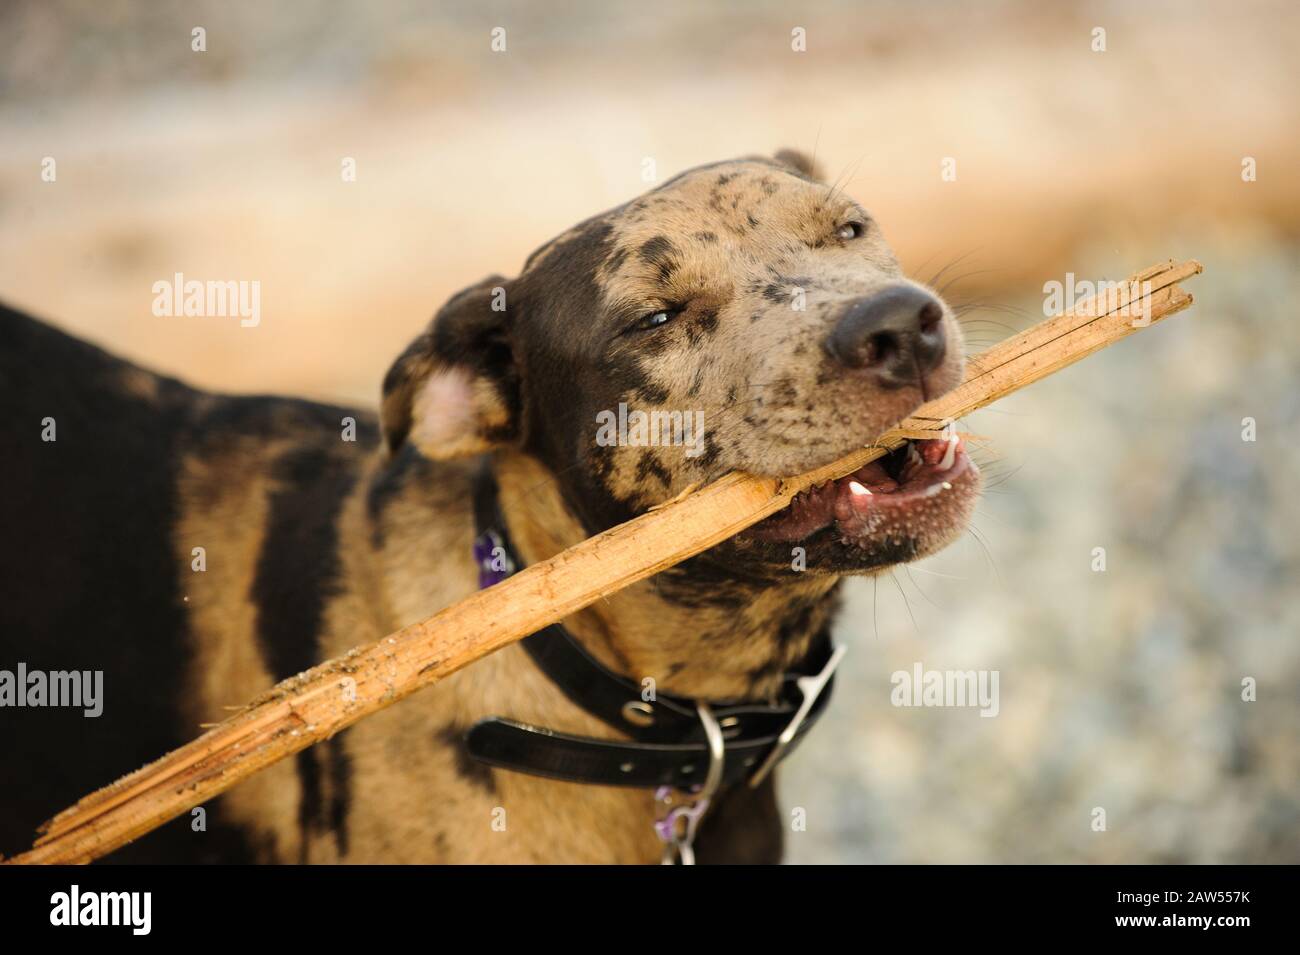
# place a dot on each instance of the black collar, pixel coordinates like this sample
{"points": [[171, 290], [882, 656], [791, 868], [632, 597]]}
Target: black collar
{"points": [[668, 743]]}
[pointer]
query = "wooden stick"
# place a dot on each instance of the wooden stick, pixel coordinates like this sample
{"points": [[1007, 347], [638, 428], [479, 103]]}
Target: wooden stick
{"points": [[315, 705]]}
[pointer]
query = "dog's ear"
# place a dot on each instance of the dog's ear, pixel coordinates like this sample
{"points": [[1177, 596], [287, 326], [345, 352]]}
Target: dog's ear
{"points": [[455, 390], [799, 162]]}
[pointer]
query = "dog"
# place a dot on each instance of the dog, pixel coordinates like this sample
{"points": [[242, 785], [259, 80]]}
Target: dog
{"points": [[197, 548]]}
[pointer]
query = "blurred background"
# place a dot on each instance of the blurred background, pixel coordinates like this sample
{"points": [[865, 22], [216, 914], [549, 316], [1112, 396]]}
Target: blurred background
{"points": [[1120, 689]]}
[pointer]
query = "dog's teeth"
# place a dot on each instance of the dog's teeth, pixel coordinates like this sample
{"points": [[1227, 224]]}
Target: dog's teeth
{"points": [[913, 456], [950, 454], [858, 489]]}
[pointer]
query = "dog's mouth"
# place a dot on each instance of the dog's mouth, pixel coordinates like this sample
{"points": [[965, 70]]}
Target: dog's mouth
{"points": [[923, 489]]}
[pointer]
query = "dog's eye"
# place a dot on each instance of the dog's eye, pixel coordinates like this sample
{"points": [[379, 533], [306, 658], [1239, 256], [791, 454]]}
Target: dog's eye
{"points": [[851, 230], [655, 319]]}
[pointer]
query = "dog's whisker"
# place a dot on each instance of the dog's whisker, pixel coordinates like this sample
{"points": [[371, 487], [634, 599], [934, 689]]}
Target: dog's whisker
{"points": [[942, 290], [935, 573], [906, 603], [988, 554], [987, 306], [875, 600], [993, 517], [995, 485], [907, 569], [934, 279]]}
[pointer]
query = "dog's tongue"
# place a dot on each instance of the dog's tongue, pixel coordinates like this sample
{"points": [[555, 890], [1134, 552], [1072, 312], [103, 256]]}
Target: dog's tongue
{"points": [[874, 478]]}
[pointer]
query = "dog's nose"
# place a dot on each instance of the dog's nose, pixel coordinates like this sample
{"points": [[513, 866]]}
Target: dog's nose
{"points": [[896, 334]]}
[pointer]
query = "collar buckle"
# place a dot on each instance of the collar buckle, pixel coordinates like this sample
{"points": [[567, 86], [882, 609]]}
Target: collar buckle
{"points": [[810, 687], [678, 825]]}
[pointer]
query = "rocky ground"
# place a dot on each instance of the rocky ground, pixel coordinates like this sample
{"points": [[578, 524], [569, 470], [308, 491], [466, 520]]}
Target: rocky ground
{"points": [[1119, 689]]}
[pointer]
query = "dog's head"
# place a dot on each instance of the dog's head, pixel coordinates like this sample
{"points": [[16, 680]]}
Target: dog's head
{"points": [[742, 316]]}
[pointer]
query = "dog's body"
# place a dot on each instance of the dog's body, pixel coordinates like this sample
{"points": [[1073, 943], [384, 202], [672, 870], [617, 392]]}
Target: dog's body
{"points": [[312, 543]]}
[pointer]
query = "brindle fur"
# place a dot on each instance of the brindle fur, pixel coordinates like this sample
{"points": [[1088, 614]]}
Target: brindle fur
{"points": [[315, 545]]}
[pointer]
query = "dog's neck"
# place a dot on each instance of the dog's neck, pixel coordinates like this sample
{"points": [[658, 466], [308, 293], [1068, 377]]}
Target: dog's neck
{"points": [[693, 629]]}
